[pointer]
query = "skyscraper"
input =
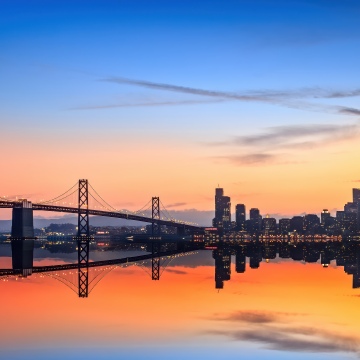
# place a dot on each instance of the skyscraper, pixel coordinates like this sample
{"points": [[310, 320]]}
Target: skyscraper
{"points": [[356, 201], [255, 219], [356, 195], [240, 216], [268, 225], [222, 218], [324, 216]]}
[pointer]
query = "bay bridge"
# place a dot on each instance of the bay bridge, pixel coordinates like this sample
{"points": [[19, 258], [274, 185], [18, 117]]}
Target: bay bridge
{"points": [[85, 192], [22, 229]]}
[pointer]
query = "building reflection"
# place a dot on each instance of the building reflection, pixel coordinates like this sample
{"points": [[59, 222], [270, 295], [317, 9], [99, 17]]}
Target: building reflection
{"points": [[244, 254], [346, 254]]}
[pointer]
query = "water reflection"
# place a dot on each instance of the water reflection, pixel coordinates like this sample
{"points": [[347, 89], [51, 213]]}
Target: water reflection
{"points": [[247, 298], [154, 254]]}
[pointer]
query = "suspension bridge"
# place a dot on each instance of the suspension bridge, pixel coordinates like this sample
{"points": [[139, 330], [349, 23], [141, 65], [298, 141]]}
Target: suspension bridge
{"points": [[149, 213], [22, 231]]}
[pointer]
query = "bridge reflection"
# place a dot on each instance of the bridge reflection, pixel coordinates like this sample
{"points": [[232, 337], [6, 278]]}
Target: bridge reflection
{"points": [[157, 251]]}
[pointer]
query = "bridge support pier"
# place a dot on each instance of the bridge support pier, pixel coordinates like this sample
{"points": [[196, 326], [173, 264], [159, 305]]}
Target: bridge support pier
{"points": [[22, 238]]}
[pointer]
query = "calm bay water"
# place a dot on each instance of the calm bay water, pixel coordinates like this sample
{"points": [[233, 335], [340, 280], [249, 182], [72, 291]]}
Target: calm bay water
{"points": [[262, 304]]}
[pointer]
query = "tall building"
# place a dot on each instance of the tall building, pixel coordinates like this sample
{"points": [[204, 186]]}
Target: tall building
{"points": [[284, 226], [222, 218], [255, 219], [297, 224], [268, 225], [356, 195], [240, 216], [311, 222], [325, 214], [254, 213]]}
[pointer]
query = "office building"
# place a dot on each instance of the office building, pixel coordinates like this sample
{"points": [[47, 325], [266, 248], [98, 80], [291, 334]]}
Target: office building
{"points": [[240, 216], [222, 218]]}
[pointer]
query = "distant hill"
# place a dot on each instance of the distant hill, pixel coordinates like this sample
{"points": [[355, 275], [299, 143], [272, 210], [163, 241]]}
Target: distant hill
{"points": [[202, 218]]}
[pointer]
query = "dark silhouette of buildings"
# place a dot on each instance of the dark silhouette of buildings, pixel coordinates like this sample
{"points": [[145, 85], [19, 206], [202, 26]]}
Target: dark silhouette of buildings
{"points": [[268, 226], [240, 216], [254, 225], [356, 195], [222, 218], [343, 253], [284, 226]]}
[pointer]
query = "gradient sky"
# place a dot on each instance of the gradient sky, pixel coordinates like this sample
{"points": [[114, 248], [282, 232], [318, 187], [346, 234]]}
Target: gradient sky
{"points": [[172, 98]]}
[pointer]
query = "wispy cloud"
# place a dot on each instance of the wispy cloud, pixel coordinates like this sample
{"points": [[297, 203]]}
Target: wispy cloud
{"points": [[256, 95], [275, 331], [146, 104], [297, 339], [177, 272], [256, 316], [303, 135], [277, 144], [178, 204], [279, 97], [349, 111], [249, 159]]}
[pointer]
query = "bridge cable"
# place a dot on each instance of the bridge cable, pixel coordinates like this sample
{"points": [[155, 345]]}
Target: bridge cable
{"points": [[57, 197]]}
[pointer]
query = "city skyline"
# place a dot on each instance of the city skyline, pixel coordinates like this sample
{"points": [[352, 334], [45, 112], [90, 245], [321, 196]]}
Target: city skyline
{"points": [[258, 97]]}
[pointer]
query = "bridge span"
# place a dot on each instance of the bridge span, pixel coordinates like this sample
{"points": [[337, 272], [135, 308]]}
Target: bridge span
{"points": [[94, 212]]}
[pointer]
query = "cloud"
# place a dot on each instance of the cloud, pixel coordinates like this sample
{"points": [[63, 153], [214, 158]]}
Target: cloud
{"points": [[357, 181], [272, 329], [277, 97], [249, 159], [268, 146], [256, 317], [178, 272], [257, 95], [178, 204], [288, 134], [147, 104], [349, 111], [288, 339]]}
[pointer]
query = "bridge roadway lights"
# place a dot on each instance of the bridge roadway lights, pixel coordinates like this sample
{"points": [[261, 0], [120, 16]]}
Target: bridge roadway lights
{"points": [[22, 237]]}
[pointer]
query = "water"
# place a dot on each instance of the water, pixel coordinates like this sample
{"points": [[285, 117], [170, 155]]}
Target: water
{"points": [[200, 308]]}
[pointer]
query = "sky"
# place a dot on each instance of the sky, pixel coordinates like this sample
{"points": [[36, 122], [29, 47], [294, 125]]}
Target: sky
{"points": [[174, 98]]}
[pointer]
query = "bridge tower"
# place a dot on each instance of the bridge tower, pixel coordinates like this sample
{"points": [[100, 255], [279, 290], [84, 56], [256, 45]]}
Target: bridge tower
{"points": [[83, 238], [22, 237], [156, 232], [155, 214]]}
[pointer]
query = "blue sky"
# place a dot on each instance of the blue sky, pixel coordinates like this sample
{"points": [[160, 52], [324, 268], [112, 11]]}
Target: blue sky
{"points": [[208, 72]]}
